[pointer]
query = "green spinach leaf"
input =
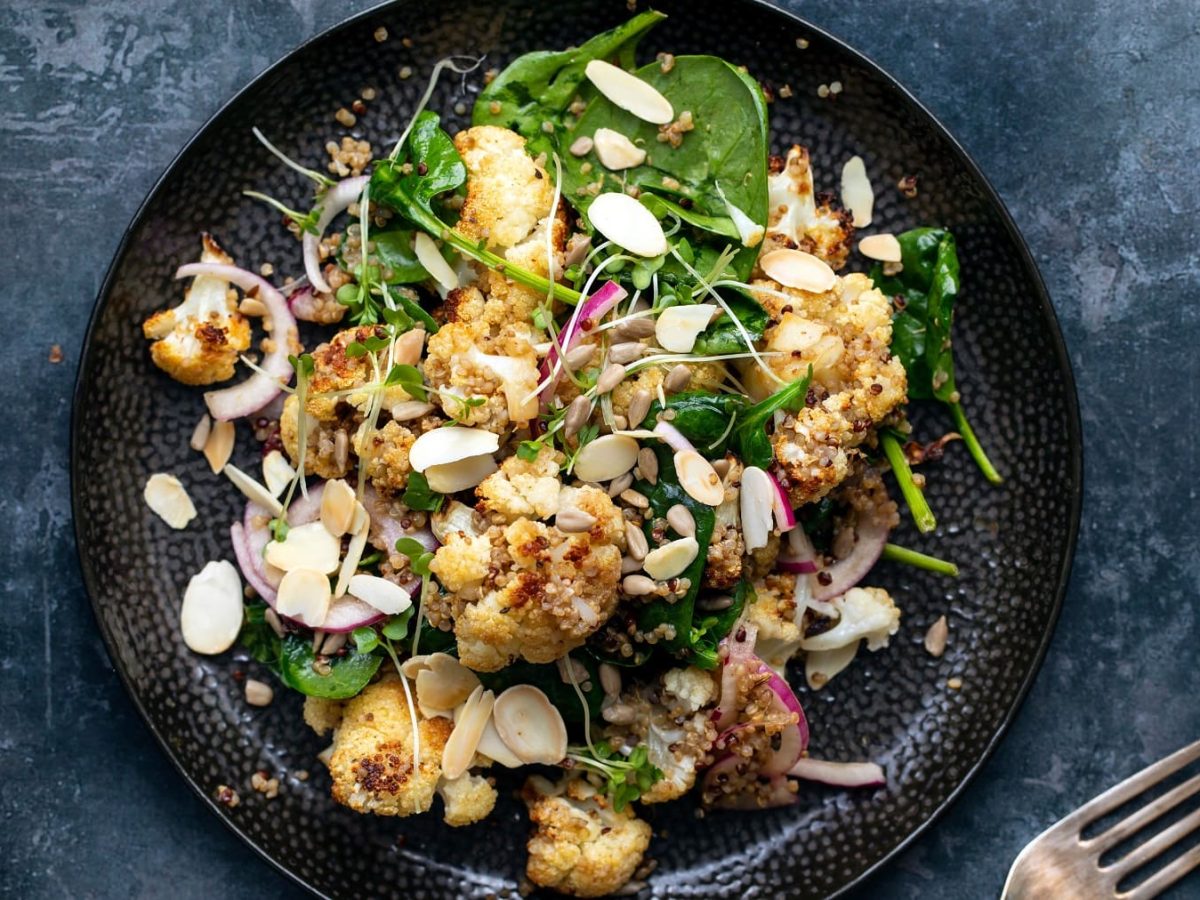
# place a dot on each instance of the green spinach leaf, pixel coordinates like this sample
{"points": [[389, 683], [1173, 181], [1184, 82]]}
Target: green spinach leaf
{"points": [[710, 629], [723, 336], [546, 677], [347, 676], [702, 417], [259, 638], [749, 439]]}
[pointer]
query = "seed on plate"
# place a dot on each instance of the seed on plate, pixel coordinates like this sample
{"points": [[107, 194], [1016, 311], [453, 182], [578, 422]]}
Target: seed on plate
{"points": [[259, 693], [616, 151], [333, 643], [576, 416], [715, 604], [936, 637], [677, 327], [581, 146], [671, 558], [219, 446], [338, 506], [627, 223], [386, 596], [450, 478], [635, 540], [304, 595], [460, 747], [606, 458], [629, 565], [211, 615], [756, 501], [578, 357], [252, 490], [408, 347], [451, 444], [637, 585], [677, 379], [200, 433], [620, 483], [639, 406], [613, 374], [697, 476], [308, 546], [635, 499], [634, 329], [626, 352], [883, 247], [629, 92], [618, 714], [407, 410], [648, 464], [341, 450], [954, 683], [797, 269], [169, 500], [253, 307], [857, 194], [610, 679], [272, 619], [443, 682], [573, 520], [680, 518], [429, 256], [530, 726], [277, 472], [721, 467]]}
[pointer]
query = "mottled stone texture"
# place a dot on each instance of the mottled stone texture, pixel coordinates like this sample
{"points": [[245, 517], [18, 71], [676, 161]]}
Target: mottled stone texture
{"points": [[1085, 114]]}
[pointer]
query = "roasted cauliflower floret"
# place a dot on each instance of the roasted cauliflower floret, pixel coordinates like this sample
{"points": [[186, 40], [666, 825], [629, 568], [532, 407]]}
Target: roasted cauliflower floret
{"points": [[328, 452], [522, 489], [322, 715], [798, 219], [468, 798], [774, 612], [529, 590], [387, 464], [580, 845], [198, 342], [372, 761]]}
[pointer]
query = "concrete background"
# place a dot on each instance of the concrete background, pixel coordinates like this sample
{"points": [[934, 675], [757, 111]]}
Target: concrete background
{"points": [[1085, 114]]}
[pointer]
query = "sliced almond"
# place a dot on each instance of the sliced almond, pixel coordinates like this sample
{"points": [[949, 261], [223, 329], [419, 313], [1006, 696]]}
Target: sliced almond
{"points": [[219, 446], [444, 682], [304, 595], [670, 559], [277, 472], [469, 724], [211, 616], [412, 666], [697, 476], [530, 726], [936, 637], [491, 746], [384, 595], [629, 92], [450, 444], [407, 410], [252, 490], [797, 269], [451, 478], [339, 506], [435, 264], [883, 247], [606, 457], [757, 496], [677, 327], [408, 348], [308, 546], [200, 433], [857, 194], [616, 151], [354, 552], [169, 500], [627, 223]]}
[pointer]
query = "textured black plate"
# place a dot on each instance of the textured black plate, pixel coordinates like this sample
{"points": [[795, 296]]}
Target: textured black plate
{"points": [[1014, 543]]}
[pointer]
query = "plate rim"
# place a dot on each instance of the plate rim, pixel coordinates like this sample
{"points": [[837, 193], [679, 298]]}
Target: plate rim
{"points": [[1075, 471]]}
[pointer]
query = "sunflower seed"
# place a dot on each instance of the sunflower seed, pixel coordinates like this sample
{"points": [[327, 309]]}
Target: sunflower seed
{"points": [[612, 375], [721, 467], [677, 379], [272, 619], [341, 450], [574, 521], [333, 643], [633, 498], [625, 352], [619, 484], [648, 465], [680, 518], [629, 565], [636, 541], [580, 356], [610, 679], [634, 329], [637, 585], [577, 415], [935, 637], [639, 405], [581, 146], [716, 604], [258, 693], [619, 714]]}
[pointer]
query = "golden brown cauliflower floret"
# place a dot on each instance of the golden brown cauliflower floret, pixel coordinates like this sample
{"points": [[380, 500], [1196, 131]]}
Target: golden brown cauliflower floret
{"points": [[774, 612], [794, 218], [387, 464], [372, 762], [328, 452], [844, 335], [580, 845], [522, 489], [468, 798], [198, 342], [529, 590], [322, 715]]}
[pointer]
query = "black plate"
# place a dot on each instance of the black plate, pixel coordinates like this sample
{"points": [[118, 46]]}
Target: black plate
{"points": [[1014, 543]]}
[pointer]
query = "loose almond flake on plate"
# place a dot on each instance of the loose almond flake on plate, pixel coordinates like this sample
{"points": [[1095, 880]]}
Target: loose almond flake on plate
{"points": [[169, 500]]}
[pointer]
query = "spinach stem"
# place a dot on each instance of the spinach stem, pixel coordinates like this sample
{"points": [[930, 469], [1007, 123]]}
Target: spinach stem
{"points": [[921, 513], [899, 554], [973, 445]]}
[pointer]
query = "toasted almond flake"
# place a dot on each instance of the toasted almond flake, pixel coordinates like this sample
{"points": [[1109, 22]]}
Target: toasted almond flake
{"points": [[677, 327], [413, 666], [443, 683], [304, 595], [384, 595], [495, 749], [451, 478], [169, 500], [627, 223], [629, 92], [338, 507], [354, 552], [200, 433], [219, 446], [883, 247], [936, 637], [697, 476], [857, 194], [670, 559], [530, 726], [797, 269], [468, 729], [407, 410], [616, 151], [252, 490], [408, 347], [211, 615], [277, 472], [757, 496], [308, 546], [431, 258], [606, 457], [450, 444]]}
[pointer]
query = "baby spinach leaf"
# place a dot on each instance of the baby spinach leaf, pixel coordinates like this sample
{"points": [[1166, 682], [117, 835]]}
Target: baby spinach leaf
{"points": [[711, 628], [538, 87], [347, 676], [394, 248], [547, 678], [723, 335], [749, 438], [259, 639], [703, 418]]}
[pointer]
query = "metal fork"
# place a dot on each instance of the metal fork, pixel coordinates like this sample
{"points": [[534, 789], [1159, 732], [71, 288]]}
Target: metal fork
{"points": [[1059, 863]]}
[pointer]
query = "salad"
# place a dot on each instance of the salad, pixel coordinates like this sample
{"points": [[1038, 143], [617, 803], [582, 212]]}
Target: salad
{"points": [[585, 437]]}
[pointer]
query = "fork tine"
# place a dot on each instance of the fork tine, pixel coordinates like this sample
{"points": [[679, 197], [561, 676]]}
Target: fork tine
{"points": [[1131, 787], [1168, 837], [1135, 822], [1164, 877]]}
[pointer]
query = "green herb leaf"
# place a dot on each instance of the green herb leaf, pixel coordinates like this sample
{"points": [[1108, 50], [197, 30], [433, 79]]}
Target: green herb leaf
{"points": [[626, 778], [303, 365], [278, 529], [409, 378], [396, 628], [259, 638], [347, 675], [366, 638], [418, 557], [723, 335], [749, 438], [418, 495], [710, 629], [529, 450]]}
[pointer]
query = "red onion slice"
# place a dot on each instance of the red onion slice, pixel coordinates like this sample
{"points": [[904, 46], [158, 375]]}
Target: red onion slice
{"points": [[737, 651], [348, 613], [246, 562], [799, 557], [333, 203], [794, 738], [587, 315], [846, 573], [386, 529], [673, 437], [259, 389], [839, 774], [781, 506], [778, 792], [306, 508], [303, 304]]}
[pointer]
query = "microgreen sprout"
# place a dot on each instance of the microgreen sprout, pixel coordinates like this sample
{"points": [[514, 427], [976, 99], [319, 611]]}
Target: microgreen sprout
{"points": [[627, 778]]}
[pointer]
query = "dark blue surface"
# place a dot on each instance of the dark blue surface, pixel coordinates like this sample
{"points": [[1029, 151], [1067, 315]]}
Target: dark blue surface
{"points": [[1086, 116]]}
